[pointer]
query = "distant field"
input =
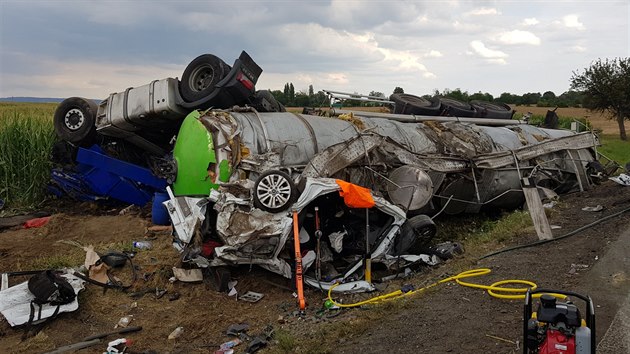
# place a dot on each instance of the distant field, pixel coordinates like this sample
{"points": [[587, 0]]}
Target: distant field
{"points": [[599, 120]]}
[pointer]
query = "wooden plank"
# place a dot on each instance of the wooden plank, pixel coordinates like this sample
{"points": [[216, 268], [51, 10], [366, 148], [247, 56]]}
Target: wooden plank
{"points": [[536, 210]]}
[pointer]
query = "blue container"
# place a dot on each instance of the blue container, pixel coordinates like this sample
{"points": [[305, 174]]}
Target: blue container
{"points": [[159, 215]]}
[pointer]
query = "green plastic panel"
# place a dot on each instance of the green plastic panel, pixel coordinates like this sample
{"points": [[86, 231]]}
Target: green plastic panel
{"points": [[193, 153]]}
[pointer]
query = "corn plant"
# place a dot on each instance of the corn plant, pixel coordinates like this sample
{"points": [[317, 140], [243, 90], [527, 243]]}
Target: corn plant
{"points": [[26, 139]]}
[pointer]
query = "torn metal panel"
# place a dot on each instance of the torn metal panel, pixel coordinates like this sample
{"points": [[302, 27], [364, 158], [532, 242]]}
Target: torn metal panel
{"points": [[236, 227], [186, 214], [528, 152]]}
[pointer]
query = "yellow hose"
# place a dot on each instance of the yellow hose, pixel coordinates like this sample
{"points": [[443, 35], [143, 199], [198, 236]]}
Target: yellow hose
{"points": [[494, 290]]}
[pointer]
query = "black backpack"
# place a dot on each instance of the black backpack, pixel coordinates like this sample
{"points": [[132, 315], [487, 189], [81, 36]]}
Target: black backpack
{"points": [[48, 287]]}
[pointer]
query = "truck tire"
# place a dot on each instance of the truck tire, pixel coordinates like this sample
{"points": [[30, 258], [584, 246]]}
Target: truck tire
{"points": [[274, 191], [497, 110], [74, 121], [201, 76], [455, 108], [265, 102], [410, 104], [415, 234]]}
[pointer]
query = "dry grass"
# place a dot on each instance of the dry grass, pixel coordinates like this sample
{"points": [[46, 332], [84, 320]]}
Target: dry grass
{"points": [[599, 120]]}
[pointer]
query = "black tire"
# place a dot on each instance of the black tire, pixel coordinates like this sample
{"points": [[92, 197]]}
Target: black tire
{"points": [[201, 76], [265, 102], [410, 104], [274, 191], [415, 234], [496, 110], [455, 108], [75, 119]]}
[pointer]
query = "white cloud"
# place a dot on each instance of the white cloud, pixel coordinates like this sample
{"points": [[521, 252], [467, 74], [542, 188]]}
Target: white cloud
{"points": [[484, 11], [530, 22], [490, 55], [572, 21], [76, 78], [576, 49], [433, 54], [518, 37]]}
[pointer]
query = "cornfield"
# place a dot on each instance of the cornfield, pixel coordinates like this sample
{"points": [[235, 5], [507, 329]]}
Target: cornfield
{"points": [[26, 139]]}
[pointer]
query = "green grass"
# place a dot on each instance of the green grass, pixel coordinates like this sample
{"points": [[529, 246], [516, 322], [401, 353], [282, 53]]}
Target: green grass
{"points": [[615, 149], [26, 139]]}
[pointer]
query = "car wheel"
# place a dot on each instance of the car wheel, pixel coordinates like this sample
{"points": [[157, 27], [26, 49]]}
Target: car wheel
{"points": [[497, 110], [274, 191], [74, 120], [410, 104], [201, 76], [415, 234]]}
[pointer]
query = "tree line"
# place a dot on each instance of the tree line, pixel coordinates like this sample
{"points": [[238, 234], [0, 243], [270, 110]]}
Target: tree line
{"points": [[604, 86], [290, 98]]}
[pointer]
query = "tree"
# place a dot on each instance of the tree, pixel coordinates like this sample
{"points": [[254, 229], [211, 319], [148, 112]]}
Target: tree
{"points": [[287, 97], [291, 94], [481, 97], [399, 90], [606, 88]]}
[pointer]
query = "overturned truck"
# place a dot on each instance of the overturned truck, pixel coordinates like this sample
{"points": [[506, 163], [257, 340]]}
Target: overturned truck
{"points": [[240, 164], [265, 165]]}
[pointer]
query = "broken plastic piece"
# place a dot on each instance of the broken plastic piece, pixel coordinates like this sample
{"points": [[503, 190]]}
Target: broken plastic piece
{"points": [[236, 329], [124, 321], [593, 209], [622, 179], [37, 222], [176, 333], [251, 296], [188, 275]]}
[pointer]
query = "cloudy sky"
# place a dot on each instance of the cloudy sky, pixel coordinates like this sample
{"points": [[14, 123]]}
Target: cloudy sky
{"points": [[61, 48]]}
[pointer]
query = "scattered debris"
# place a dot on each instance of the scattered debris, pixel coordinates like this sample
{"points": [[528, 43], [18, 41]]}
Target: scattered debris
{"points": [[15, 302], [118, 346], [12, 221], [593, 209], [75, 346], [501, 339], [124, 321], [37, 222], [176, 333], [251, 296], [230, 344], [623, 179], [142, 245], [188, 275], [236, 329]]}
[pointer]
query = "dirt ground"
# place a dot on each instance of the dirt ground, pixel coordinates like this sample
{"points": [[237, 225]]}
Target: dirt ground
{"points": [[446, 319]]}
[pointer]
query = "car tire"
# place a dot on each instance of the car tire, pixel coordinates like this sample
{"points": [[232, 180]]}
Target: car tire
{"points": [[415, 234], [455, 108], [274, 191], [410, 104], [495, 110], [201, 76], [74, 121]]}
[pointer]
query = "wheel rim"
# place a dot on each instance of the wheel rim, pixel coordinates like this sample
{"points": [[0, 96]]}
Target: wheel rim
{"points": [[201, 78], [273, 191], [74, 119]]}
